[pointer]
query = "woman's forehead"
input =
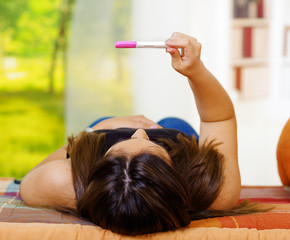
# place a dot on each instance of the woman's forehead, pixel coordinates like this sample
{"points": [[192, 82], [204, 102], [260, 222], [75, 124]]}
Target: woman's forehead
{"points": [[136, 146]]}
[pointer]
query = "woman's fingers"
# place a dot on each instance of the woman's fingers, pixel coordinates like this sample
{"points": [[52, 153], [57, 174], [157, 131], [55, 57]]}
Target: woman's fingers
{"points": [[179, 40], [190, 59], [176, 58]]}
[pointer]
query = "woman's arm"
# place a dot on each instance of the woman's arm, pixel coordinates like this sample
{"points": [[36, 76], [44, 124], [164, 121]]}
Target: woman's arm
{"points": [[49, 185], [216, 113]]}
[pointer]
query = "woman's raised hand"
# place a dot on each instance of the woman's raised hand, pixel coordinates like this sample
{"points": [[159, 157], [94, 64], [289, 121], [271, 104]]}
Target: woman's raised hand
{"points": [[188, 62]]}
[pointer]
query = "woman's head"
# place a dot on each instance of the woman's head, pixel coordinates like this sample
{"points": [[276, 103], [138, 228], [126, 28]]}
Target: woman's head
{"points": [[137, 195], [140, 187], [132, 189]]}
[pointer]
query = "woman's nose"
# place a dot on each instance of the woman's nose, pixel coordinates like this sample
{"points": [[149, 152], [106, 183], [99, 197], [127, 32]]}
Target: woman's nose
{"points": [[140, 133]]}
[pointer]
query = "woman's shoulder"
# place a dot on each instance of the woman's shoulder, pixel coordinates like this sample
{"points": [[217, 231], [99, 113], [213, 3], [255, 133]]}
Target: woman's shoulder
{"points": [[49, 185]]}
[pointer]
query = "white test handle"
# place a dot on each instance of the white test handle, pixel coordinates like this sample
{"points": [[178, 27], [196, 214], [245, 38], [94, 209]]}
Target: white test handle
{"points": [[143, 44]]}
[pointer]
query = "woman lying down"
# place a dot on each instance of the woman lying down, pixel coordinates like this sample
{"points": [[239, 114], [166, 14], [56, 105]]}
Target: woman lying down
{"points": [[134, 176]]}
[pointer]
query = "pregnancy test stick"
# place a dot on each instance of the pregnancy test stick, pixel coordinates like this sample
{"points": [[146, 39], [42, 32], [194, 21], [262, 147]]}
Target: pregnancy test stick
{"points": [[139, 44]]}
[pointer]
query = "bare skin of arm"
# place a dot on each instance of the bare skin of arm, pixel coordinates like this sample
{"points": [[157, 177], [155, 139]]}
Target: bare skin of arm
{"points": [[216, 111]]}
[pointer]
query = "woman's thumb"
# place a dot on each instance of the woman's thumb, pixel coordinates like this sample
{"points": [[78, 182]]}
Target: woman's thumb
{"points": [[175, 56]]}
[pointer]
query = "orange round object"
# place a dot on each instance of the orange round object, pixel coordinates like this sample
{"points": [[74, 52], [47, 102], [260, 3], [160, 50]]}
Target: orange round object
{"points": [[283, 154]]}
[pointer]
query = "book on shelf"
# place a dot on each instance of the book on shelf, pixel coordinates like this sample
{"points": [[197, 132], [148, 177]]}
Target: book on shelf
{"points": [[248, 8], [252, 9], [250, 42], [247, 41], [251, 82], [260, 8], [237, 77], [241, 8]]}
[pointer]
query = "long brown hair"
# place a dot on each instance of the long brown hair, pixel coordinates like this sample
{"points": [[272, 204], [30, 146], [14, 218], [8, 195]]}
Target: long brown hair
{"points": [[144, 194]]}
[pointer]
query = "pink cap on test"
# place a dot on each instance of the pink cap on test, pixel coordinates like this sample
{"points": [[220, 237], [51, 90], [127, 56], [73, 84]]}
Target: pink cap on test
{"points": [[125, 44]]}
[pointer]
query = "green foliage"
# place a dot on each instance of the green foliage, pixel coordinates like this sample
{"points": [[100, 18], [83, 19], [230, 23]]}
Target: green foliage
{"points": [[32, 127], [30, 26], [10, 12], [31, 119], [34, 75]]}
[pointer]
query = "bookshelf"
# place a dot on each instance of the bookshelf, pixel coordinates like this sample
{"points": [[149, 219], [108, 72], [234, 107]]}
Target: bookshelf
{"points": [[250, 47]]}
